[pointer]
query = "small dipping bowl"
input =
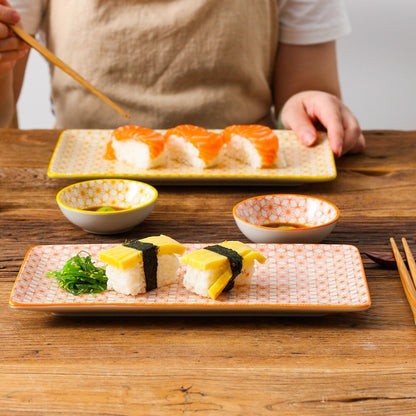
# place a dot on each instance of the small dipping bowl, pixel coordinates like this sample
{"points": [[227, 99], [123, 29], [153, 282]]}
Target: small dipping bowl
{"points": [[130, 203], [285, 218]]}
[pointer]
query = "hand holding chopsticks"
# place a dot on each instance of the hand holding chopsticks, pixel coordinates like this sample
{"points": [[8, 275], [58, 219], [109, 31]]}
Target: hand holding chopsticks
{"points": [[408, 279], [62, 65]]}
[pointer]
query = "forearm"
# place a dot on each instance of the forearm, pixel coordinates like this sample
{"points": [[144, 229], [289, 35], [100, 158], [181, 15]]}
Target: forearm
{"points": [[305, 67], [6, 99], [10, 86]]}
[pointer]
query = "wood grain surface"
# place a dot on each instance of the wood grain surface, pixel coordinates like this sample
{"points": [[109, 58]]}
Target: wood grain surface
{"points": [[350, 364]]}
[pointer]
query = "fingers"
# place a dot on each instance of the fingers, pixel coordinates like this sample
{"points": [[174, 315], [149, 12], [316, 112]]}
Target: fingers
{"points": [[11, 50], [354, 141], [330, 115], [7, 14], [8, 58], [11, 47], [11, 44], [307, 108], [296, 118], [343, 130]]}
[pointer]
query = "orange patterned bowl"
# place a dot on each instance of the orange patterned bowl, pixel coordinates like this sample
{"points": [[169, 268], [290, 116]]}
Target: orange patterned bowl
{"points": [[285, 218], [107, 206]]}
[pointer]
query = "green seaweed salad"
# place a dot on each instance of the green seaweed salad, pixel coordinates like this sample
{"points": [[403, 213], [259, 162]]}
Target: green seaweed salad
{"points": [[79, 275]]}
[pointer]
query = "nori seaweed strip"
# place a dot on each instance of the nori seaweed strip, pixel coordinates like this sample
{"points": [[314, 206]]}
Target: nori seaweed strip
{"points": [[149, 253], [235, 260]]}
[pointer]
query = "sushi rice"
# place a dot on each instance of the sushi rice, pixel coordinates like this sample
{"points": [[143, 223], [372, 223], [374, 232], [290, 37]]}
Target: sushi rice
{"points": [[132, 280]]}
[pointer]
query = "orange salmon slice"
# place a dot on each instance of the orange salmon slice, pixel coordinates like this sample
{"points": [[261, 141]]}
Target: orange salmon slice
{"points": [[154, 140], [263, 138], [208, 143]]}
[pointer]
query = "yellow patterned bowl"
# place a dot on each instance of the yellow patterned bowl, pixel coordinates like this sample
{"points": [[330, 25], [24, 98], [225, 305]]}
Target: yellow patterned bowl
{"points": [[107, 206], [285, 218]]}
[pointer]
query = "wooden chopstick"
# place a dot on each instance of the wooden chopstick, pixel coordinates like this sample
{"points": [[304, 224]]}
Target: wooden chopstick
{"points": [[410, 260], [62, 65], [407, 282]]}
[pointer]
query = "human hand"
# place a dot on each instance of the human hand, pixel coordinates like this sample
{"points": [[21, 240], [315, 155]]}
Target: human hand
{"points": [[11, 47], [306, 109]]}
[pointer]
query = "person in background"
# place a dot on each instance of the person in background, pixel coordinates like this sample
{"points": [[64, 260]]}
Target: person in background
{"points": [[205, 62]]}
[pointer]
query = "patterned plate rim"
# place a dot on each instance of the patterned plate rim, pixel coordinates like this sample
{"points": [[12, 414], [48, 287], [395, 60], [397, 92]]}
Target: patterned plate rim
{"points": [[197, 304]]}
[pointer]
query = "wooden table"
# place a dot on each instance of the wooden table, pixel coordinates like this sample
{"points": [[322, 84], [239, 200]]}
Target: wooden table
{"points": [[351, 364]]}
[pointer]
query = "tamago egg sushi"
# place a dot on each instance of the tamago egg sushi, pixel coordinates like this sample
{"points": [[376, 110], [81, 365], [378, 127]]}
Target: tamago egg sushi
{"points": [[217, 268], [139, 266]]}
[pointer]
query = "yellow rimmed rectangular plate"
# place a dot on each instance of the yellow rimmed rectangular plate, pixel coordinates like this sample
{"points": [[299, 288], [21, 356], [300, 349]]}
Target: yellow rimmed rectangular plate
{"points": [[296, 279], [81, 154]]}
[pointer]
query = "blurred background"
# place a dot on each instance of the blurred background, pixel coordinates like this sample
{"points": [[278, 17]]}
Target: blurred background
{"points": [[377, 66]]}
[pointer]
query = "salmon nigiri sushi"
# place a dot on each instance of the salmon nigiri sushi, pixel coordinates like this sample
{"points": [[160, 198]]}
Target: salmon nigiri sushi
{"points": [[139, 146], [194, 145], [252, 144]]}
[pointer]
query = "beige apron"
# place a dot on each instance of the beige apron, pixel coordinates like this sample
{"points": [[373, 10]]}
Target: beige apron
{"points": [[165, 62]]}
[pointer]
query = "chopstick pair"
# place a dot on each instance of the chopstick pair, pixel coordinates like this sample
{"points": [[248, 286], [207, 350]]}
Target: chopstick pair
{"points": [[408, 279], [62, 65]]}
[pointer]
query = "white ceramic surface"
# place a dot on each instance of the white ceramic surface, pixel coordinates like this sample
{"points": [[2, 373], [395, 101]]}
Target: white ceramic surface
{"points": [[317, 217], [136, 197]]}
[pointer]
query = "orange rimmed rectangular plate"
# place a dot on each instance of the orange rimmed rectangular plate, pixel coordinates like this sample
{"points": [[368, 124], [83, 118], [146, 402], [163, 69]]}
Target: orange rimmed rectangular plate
{"points": [[295, 279], [81, 154]]}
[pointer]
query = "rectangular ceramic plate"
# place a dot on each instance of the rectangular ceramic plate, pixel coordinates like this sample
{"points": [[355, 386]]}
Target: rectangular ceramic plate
{"points": [[295, 279], [81, 154]]}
